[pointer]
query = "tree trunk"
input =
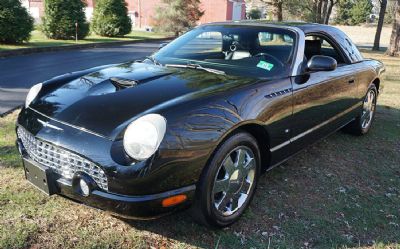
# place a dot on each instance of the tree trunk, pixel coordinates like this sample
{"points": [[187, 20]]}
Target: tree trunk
{"points": [[329, 12], [319, 11], [315, 10], [278, 10], [324, 11], [380, 25], [394, 47]]}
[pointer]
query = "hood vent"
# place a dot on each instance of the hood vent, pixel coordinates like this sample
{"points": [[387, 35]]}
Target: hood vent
{"points": [[122, 83]]}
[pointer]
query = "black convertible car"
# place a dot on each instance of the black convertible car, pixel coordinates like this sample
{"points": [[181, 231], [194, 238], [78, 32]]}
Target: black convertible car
{"points": [[196, 123]]}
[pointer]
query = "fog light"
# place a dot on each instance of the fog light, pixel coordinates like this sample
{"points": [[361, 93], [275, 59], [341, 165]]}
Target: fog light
{"points": [[84, 188], [83, 184]]}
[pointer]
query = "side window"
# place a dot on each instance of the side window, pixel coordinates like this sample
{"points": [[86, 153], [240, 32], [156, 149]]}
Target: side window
{"points": [[278, 45], [353, 51], [268, 39], [316, 45], [207, 42]]}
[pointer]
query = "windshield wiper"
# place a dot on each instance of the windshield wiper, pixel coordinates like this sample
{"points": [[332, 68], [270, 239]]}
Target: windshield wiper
{"points": [[196, 66], [152, 59]]}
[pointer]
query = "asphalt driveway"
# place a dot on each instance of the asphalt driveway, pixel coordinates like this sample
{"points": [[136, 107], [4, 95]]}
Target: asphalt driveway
{"points": [[18, 74]]}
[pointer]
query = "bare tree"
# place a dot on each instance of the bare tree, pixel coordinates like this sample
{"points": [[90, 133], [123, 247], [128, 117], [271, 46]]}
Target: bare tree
{"points": [[382, 11], [320, 10], [394, 47], [277, 11], [328, 13]]}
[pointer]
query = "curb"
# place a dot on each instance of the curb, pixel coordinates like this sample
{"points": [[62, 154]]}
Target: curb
{"points": [[2, 115], [24, 51]]}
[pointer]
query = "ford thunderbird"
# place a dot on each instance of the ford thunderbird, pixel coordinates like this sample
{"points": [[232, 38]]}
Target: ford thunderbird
{"points": [[197, 122]]}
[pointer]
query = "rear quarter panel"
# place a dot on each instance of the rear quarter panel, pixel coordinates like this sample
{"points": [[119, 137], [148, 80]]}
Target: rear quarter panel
{"points": [[369, 72]]}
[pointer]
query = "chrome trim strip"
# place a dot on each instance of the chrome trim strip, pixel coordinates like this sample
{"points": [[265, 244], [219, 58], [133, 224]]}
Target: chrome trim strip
{"points": [[46, 124], [70, 125], [325, 122], [280, 146], [314, 128]]}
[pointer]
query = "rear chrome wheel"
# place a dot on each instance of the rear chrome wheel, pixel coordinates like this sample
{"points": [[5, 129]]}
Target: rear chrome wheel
{"points": [[228, 182], [363, 122], [369, 107], [234, 180]]}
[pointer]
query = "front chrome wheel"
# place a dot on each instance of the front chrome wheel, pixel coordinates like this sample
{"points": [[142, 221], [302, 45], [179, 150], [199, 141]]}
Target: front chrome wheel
{"points": [[228, 182], [369, 107], [234, 180]]}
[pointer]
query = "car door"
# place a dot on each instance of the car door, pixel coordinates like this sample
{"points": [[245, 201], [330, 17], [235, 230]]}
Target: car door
{"points": [[322, 100]]}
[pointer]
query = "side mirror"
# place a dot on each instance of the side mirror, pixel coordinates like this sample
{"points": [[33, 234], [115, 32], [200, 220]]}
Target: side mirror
{"points": [[162, 45], [321, 63]]}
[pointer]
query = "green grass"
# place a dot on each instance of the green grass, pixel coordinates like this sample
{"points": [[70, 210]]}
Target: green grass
{"points": [[343, 192], [38, 39]]}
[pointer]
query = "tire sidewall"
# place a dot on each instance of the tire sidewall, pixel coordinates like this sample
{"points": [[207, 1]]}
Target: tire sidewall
{"points": [[207, 179]]}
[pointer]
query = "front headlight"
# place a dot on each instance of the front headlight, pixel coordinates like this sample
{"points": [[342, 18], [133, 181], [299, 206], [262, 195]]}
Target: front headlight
{"points": [[33, 92], [144, 135]]}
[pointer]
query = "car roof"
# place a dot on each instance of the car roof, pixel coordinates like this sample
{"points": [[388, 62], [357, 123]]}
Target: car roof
{"points": [[336, 34], [306, 27]]}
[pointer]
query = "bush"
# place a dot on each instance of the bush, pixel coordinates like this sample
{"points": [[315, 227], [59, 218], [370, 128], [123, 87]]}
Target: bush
{"points": [[255, 14], [361, 11], [16, 24], [353, 12], [60, 18], [110, 18], [344, 12]]}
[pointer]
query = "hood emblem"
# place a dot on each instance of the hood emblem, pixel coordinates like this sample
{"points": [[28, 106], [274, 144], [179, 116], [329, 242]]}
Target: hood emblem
{"points": [[46, 124]]}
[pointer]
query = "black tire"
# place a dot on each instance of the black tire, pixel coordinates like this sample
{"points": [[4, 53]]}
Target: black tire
{"points": [[204, 207], [358, 127]]}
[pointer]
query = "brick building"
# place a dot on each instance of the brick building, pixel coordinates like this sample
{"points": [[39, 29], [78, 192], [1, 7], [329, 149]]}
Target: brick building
{"points": [[142, 11]]}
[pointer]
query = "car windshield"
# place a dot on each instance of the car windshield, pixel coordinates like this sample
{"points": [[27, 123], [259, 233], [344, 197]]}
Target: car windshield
{"points": [[250, 51]]}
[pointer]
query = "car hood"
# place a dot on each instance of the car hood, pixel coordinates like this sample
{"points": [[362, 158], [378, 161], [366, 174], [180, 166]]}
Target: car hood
{"points": [[104, 100]]}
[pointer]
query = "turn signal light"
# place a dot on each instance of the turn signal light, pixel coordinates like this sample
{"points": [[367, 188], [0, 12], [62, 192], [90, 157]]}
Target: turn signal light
{"points": [[173, 200]]}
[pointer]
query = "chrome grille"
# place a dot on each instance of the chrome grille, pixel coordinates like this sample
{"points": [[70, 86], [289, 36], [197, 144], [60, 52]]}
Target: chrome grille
{"points": [[60, 160]]}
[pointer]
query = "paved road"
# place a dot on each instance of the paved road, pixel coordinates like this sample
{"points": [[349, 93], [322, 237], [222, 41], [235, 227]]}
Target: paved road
{"points": [[18, 74]]}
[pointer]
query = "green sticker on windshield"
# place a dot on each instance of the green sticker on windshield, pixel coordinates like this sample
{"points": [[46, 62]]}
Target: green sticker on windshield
{"points": [[265, 65]]}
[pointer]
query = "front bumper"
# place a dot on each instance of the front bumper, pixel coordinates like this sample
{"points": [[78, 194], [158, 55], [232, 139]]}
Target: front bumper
{"points": [[134, 207], [137, 207]]}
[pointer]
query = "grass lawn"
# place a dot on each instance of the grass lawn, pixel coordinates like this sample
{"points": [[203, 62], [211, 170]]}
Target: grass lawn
{"points": [[342, 192], [38, 39]]}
